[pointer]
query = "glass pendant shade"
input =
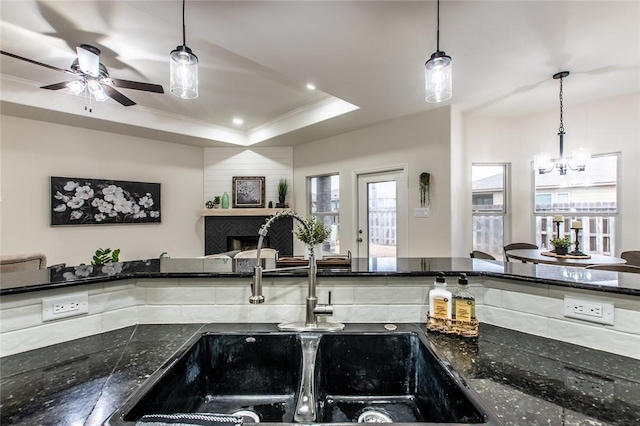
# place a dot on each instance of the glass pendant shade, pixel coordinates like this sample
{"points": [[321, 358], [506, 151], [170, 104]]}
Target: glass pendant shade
{"points": [[97, 91], [438, 78], [184, 73], [76, 87]]}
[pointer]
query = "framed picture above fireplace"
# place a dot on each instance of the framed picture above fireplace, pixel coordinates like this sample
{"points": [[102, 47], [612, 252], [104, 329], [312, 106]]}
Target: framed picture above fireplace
{"points": [[248, 192]]}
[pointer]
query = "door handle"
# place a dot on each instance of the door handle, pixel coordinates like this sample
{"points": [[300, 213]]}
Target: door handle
{"points": [[359, 240]]}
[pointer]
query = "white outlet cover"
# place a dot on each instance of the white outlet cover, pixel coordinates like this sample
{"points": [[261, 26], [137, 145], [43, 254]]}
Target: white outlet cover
{"points": [[82, 299], [421, 212], [607, 318]]}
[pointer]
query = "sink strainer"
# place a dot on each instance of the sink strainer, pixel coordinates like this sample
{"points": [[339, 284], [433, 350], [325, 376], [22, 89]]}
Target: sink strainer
{"points": [[374, 416], [247, 416]]}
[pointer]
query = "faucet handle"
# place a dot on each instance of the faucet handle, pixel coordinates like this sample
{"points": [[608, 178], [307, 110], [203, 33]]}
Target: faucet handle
{"points": [[329, 301]]}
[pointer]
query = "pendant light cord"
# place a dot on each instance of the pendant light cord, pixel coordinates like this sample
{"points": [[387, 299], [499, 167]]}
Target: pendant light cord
{"points": [[438, 26], [184, 37]]}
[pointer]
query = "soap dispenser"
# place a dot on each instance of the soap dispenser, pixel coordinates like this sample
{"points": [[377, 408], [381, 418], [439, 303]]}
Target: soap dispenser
{"points": [[439, 304], [464, 309]]}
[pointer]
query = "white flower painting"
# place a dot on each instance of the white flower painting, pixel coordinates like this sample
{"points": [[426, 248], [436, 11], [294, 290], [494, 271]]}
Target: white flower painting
{"points": [[80, 201]]}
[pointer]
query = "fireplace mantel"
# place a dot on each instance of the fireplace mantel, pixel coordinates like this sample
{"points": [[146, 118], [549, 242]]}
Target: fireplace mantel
{"points": [[241, 212]]}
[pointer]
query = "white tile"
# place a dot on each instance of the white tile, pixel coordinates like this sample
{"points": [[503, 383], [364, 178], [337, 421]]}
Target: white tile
{"points": [[114, 320], [110, 301], [159, 314], [49, 334], [276, 314], [181, 295], [233, 295], [492, 297], [278, 295], [618, 300], [519, 286], [20, 318], [118, 285], [407, 313], [538, 305], [339, 295], [627, 321], [361, 313], [513, 320], [388, 295], [597, 337], [33, 298]]}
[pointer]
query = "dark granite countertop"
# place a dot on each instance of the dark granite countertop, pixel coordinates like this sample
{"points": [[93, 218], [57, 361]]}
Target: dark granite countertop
{"points": [[524, 379], [57, 277]]}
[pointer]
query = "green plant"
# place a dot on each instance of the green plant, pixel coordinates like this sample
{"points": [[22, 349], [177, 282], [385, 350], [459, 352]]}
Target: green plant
{"points": [[314, 233], [216, 199], [283, 188], [425, 189], [103, 256], [563, 242]]}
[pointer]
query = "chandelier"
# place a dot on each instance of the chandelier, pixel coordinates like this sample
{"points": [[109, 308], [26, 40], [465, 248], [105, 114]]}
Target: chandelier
{"points": [[577, 162]]}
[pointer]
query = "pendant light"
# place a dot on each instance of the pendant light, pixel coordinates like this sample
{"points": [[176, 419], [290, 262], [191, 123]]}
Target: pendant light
{"points": [[577, 162], [437, 73], [184, 68]]}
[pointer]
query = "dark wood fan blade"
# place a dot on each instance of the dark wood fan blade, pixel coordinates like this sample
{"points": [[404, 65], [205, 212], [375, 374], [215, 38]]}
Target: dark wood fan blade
{"points": [[57, 86], [117, 96], [37, 63], [147, 87]]}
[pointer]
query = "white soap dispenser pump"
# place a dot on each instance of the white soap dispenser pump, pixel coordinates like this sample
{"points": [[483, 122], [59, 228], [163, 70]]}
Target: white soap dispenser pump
{"points": [[440, 300]]}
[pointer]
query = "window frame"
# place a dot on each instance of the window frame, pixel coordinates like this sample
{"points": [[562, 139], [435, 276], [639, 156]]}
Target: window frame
{"points": [[504, 212], [327, 246]]}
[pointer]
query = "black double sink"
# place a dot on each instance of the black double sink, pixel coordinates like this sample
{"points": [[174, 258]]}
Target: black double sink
{"points": [[365, 373]]}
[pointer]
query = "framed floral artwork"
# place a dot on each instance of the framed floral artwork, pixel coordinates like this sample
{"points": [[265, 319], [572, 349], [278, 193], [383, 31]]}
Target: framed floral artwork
{"points": [[82, 201], [248, 191]]}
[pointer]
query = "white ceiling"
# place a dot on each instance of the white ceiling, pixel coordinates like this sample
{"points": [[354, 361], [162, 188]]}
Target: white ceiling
{"points": [[256, 58]]}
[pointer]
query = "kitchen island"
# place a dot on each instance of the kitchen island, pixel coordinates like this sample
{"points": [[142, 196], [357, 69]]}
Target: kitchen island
{"points": [[524, 379]]}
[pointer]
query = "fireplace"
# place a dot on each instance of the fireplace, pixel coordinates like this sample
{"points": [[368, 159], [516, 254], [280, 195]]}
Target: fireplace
{"points": [[219, 231]]}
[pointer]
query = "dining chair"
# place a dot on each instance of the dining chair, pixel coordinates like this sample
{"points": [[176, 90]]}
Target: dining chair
{"points": [[518, 246], [618, 268], [632, 257], [477, 254]]}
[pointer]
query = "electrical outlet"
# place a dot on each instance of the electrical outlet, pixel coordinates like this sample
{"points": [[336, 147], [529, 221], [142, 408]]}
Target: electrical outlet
{"points": [[65, 306], [589, 310], [421, 212]]}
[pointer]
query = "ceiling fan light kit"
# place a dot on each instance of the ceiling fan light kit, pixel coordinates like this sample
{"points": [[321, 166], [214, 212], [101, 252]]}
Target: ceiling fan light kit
{"points": [[184, 68], [92, 78], [577, 162], [437, 75]]}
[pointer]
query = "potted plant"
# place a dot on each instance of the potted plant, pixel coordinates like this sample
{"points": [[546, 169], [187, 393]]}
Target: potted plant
{"points": [[216, 202], [283, 188], [313, 235], [104, 256], [561, 245]]}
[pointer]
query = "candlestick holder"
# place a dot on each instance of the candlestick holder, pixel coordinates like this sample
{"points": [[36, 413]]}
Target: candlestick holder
{"points": [[577, 251], [557, 222]]}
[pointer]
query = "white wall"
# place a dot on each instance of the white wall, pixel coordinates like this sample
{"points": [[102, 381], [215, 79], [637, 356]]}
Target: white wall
{"points": [[222, 164], [32, 151], [421, 141], [602, 127]]}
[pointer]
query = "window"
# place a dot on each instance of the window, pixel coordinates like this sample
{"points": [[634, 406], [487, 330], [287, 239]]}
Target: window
{"points": [[324, 203], [488, 207], [589, 196]]}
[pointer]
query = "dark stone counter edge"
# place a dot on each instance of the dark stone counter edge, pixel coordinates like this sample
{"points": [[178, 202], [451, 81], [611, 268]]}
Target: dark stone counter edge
{"points": [[338, 273]]}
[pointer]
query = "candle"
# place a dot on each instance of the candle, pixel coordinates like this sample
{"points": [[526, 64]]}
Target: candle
{"points": [[558, 218], [576, 224]]}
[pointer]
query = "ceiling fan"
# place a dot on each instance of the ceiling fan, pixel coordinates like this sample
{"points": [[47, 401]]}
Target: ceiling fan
{"points": [[92, 78]]}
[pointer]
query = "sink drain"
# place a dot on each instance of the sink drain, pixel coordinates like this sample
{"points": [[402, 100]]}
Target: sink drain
{"points": [[247, 416], [374, 416]]}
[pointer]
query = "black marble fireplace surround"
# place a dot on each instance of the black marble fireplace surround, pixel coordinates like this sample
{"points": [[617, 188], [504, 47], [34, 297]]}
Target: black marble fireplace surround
{"points": [[218, 228]]}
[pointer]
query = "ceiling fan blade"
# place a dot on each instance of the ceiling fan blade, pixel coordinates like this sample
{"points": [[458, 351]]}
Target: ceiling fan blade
{"points": [[147, 87], [89, 61], [37, 63], [58, 86], [117, 96]]}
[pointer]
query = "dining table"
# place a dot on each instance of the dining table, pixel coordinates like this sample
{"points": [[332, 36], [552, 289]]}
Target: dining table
{"points": [[537, 256]]}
